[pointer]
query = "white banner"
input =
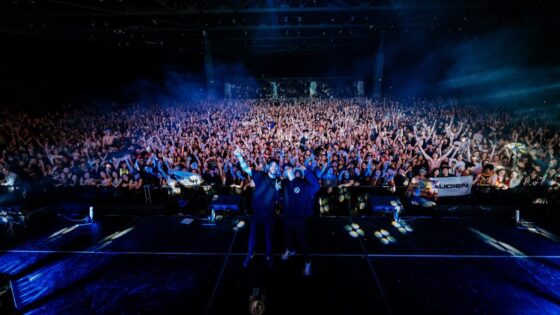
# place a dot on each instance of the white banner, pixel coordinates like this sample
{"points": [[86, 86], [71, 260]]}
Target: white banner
{"points": [[453, 186]]}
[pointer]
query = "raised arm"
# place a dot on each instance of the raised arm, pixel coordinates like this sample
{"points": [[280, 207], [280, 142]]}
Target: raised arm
{"points": [[493, 149], [127, 159], [424, 154], [312, 180], [446, 154], [242, 162]]}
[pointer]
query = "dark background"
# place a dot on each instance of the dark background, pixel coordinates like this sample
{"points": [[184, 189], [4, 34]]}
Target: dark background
{"points": [[90, 52]]}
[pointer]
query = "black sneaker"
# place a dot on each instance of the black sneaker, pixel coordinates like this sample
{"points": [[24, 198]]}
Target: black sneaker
{"points": [[247, 260]]}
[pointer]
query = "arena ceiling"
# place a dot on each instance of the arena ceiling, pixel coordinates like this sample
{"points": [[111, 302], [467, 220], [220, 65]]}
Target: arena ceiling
{"points": [[266, 26]]}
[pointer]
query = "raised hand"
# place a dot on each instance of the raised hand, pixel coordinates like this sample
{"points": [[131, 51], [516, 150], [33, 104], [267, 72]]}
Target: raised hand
{"points": [[237, 152]]}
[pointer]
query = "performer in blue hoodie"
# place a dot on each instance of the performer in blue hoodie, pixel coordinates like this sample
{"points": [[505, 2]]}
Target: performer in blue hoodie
{"points": [[298, 195], [264, 200]]}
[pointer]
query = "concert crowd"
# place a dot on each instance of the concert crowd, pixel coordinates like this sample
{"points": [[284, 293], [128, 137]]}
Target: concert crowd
{"points": [[346, 142]]}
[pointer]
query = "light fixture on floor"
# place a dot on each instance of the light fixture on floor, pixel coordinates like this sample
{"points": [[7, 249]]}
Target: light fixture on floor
{"points": [[91, 214]]}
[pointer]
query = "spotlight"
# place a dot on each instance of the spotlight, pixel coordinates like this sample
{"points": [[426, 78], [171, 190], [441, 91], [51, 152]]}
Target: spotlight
{"points": [[91, 214]]}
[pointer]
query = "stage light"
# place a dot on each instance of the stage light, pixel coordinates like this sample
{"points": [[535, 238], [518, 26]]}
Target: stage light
{"points": [[116, 235], [70, 229], [121, 233], [540, 201], [498, 244], [91, 214], [540, 231]]}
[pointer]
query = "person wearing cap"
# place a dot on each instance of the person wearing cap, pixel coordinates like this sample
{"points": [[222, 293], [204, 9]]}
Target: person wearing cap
{"points": [[264, 200], [298, 196]]}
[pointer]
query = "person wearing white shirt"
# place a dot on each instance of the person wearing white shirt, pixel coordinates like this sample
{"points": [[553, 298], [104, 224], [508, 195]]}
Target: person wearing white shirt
{"points": [[9, 179]]}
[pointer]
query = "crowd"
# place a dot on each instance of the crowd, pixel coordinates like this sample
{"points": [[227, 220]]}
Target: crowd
{"points": [[346, 142]]}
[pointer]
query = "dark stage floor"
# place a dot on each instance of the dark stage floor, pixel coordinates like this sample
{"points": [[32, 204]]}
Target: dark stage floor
{"points": [[156, 265]]}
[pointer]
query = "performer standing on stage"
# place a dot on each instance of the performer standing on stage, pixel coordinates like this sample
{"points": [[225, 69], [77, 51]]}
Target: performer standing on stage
{"points": [[264, 200], [297, 203]]}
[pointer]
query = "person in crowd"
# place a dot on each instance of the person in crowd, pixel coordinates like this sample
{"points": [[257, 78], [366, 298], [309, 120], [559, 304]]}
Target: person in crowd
{"points": [[487, 178], [501, 179], [9, 179], [514, 180]]}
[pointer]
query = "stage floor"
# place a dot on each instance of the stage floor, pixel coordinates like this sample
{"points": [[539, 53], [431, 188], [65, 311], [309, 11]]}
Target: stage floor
{"points": [[125, 264]]}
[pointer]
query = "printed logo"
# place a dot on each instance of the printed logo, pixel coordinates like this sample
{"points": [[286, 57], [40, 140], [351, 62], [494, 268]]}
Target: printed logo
{"points": [[296, 190]]}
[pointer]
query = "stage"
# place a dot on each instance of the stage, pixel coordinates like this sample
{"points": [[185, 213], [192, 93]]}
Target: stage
{"points": [[126, 264]]}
